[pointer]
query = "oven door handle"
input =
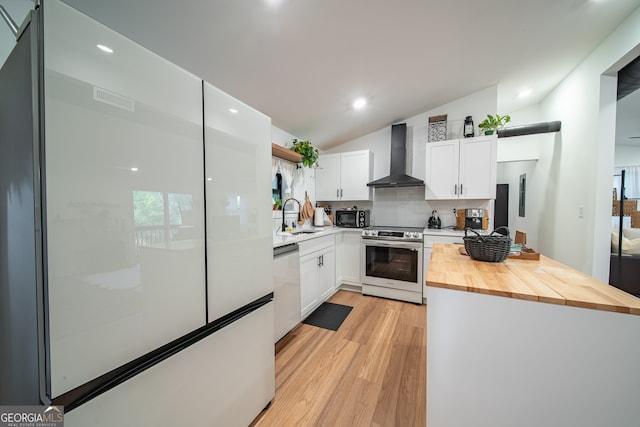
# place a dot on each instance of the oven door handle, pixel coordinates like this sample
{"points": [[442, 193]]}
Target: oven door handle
{"points": [[402, 245]]}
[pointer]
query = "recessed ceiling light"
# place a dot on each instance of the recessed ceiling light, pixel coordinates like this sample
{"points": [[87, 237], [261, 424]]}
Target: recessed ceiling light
{"points": [[359, 103], [104, 48], [233, 110], [273, 3], [134, 169], [524, 93]]}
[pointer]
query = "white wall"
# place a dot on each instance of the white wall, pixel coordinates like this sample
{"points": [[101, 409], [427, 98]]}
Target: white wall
{"points": [[521, 147], [509, 173], [579, 159], [18, 10], [518, 155], [281, 137], [626, 155]]}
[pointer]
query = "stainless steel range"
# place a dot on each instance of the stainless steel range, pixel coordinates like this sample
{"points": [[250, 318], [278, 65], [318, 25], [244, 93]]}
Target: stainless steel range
{"points": [[392, 263]]}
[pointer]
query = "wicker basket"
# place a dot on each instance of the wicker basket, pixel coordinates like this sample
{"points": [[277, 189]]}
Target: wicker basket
{"points": [[492, 248]]}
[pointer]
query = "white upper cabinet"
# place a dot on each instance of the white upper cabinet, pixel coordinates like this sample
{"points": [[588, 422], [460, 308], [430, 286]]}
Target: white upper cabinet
{"points": [[238, 186], [344, 176], [124, 208], [441, 174], [461, 169], [328, 177]]}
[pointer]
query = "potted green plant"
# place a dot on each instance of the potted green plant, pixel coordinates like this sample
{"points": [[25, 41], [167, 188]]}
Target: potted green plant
{"points": [[308, 151], [491, 123]]}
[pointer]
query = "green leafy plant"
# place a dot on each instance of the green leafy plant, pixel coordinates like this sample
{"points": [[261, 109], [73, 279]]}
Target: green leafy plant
{"points": [[492, 123], [308, 151]]}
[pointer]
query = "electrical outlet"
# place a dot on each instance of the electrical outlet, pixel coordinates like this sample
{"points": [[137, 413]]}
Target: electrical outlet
{"points": [[580, 211]]}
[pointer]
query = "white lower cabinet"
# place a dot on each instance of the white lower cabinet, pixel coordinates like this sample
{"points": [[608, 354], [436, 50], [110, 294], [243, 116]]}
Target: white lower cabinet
{"points": [[317, 272]]}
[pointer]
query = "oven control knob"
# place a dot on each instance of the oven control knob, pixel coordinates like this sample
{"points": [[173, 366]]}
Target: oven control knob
{"points": [[366, 233], [409, 234]]}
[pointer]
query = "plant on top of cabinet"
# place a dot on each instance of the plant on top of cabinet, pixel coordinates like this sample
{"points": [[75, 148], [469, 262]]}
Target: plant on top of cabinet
{"points": [[491, 123], [308, 151]]}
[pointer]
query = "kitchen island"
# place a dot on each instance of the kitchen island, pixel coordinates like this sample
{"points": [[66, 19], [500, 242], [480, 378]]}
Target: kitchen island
{"points": [[528, 343]]}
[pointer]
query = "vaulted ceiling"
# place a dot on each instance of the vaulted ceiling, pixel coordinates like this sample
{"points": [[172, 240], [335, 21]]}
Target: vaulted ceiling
{"points": [[302, 62]]}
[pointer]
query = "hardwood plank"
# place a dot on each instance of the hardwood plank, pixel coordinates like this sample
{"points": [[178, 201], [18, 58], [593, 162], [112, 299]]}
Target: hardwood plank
{"points": [[358, 329], [353, 393], [375, 366], [303, 341], [398, 403], [369, 372]]}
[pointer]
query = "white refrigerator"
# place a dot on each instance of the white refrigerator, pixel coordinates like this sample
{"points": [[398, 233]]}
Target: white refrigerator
{"points": [[136, 246]]}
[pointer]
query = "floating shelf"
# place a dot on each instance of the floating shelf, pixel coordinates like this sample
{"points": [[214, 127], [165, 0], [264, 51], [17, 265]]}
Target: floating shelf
{"points": [[285, 153]]}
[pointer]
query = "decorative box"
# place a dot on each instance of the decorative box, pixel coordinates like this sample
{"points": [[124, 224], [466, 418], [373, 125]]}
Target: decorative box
{"points": [[437, 128]]}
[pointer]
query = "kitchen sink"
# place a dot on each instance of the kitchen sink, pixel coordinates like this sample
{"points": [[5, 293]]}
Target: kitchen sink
{"points": [[303, 232]]}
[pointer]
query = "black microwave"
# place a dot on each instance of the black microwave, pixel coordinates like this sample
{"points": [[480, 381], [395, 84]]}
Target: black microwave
{"points": [[352, 218]]}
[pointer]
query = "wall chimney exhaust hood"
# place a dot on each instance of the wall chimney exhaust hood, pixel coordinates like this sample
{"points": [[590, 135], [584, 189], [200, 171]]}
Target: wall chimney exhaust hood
{"points": [[397, 176]]}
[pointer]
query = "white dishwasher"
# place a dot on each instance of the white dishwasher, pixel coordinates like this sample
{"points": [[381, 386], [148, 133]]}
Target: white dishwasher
{"points": [[286, 289]]}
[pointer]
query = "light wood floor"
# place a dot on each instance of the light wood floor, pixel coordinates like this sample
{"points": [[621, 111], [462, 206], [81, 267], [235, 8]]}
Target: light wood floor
{"points": [[371, 372]]}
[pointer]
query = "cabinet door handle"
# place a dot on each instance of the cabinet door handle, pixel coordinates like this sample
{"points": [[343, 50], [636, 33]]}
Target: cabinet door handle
{"points": [[321, 260], [455, 189], [318, 261], [461, 189], [341, 193], [337, 192]]}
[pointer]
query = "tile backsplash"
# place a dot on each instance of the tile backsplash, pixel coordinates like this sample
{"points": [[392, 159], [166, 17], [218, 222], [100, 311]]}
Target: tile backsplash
{"points": [[404, 206], [407, 207]]}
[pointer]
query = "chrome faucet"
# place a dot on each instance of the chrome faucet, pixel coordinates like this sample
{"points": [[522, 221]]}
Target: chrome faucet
{"points": [[284, 227]]}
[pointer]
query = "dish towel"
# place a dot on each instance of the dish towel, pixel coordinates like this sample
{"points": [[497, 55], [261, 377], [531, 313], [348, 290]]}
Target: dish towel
{"points": [[307, 211]]}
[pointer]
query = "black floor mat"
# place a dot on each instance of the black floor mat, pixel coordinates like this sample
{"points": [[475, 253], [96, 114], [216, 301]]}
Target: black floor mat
{"points": [[328, 316]]}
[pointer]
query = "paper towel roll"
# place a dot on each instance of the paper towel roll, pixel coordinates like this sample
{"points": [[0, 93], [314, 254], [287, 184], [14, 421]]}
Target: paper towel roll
{"points": [[318, 217]]}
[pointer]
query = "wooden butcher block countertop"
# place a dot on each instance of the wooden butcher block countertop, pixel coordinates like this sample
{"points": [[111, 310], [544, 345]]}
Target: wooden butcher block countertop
{"points": [[545, 280]]}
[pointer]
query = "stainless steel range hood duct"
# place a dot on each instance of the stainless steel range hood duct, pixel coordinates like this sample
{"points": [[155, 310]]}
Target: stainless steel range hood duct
{"points": [[398, 176], [10, 22], [544, 127]]}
